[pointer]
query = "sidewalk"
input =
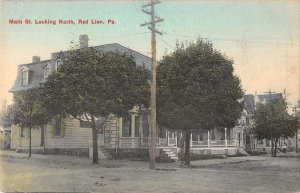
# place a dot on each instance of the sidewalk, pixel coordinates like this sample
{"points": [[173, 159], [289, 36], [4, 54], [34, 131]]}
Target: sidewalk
{"points": [[86, 162], [226, 160]]}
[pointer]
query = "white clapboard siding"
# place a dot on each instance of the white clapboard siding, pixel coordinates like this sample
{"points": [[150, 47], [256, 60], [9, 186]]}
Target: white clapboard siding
{"points": [[75, 136]]}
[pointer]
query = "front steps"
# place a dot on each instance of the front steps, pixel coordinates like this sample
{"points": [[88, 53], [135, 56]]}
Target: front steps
{"points": [[242, 152], [170, 154], [102, 154]]}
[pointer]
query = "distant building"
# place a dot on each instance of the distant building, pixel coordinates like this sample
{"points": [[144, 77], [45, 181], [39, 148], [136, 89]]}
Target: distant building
{"points": [[5, 128]]}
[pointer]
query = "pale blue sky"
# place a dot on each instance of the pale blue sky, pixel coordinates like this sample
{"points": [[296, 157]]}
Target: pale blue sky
{"points": [[261, 36]]}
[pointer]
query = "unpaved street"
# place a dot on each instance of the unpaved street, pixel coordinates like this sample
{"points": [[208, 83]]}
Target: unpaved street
{"points": [[45, 173]]}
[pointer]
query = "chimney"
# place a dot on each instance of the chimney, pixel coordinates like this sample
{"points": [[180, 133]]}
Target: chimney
{"points": [[83, 41], [36, 59]]}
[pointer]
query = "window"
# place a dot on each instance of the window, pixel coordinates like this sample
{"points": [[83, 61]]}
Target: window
{"points": [[85, 124], [137, 126], [213, 137], [126, 132], [201, 137], [22, 131], [58, 126], [163, 133], [24, 76], [57, 64], [145, 123], [194, 135], [47, 71]]}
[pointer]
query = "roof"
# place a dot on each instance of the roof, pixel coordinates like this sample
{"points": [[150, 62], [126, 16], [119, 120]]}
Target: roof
{"points": [[263, 98], [140, 59], [36, 75], [249, 103], [37, 69]]}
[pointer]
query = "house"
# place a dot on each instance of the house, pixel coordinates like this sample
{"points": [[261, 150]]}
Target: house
{"points": [[265, 145], [69, 135], [227, 140], [5, 128]]}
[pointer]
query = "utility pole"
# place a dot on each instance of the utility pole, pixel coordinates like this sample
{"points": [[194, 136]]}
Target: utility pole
{"points": [[151, 26]]}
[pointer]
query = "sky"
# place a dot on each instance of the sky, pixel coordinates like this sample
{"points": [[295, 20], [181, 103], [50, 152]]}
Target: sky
{"points": [[262, 37]]}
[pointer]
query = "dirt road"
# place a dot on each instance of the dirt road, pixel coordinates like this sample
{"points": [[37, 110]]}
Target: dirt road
{"points": [[45, 173]]}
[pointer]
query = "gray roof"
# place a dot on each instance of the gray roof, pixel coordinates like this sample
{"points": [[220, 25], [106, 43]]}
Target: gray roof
{"points": [[249, 103], [36, 75], [37, 69], [140, 59], [263, 98]]}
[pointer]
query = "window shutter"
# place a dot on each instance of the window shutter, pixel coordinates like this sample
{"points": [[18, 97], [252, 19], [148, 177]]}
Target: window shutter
{"points": [[52, 130]]}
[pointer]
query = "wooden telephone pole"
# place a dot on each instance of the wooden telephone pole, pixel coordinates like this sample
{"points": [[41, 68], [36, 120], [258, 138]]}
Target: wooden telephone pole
{"points": [[151, 26]]}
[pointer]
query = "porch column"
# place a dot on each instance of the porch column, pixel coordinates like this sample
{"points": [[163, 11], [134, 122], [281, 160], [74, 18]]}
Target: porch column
{"points": [[167, 136], [225, 136], [132, 126], [208, 138], [141, 129], [176, 138]]}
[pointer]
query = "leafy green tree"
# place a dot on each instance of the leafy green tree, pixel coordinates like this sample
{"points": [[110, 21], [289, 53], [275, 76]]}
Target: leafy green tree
{"points": [[93, 85], [27, 111], [272, 122], [197, 90]]}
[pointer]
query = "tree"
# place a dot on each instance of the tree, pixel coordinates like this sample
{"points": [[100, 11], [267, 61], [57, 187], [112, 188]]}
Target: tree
{"points": [[92, 85], [197, 90], [27, 111], [272, 122]]}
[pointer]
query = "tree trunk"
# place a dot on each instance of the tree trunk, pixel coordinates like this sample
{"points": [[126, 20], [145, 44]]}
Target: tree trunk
{"points": [[275, 150], [42, 136], [272, 147], [187, 147], [95, 140], [29, 141], [181, 142]]}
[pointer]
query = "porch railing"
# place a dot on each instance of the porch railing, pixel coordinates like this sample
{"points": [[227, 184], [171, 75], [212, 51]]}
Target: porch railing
{"points": [[231, 143], [172, 142], [134, 142], [199, 143], [217, 143], [129, 142], [214, 143]]}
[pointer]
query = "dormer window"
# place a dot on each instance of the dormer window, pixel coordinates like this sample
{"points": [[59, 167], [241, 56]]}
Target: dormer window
{"points": [[24, 76], [47, 71]]}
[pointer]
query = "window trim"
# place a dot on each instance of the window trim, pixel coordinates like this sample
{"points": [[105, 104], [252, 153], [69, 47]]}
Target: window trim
{"points": [[22, 130], [57, 64], [128, 124], [47, 67], [24, 70]]}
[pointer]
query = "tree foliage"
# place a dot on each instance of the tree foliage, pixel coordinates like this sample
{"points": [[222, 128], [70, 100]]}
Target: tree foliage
{"points": [[197, 90], [93, 84], [27, 111], [272, 122]]}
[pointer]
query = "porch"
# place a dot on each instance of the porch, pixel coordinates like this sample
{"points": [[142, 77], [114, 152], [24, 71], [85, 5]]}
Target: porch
{"points": [[140, 142]]}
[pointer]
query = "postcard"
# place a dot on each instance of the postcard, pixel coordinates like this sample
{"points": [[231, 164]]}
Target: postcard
{"points": [[149, 96]]}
